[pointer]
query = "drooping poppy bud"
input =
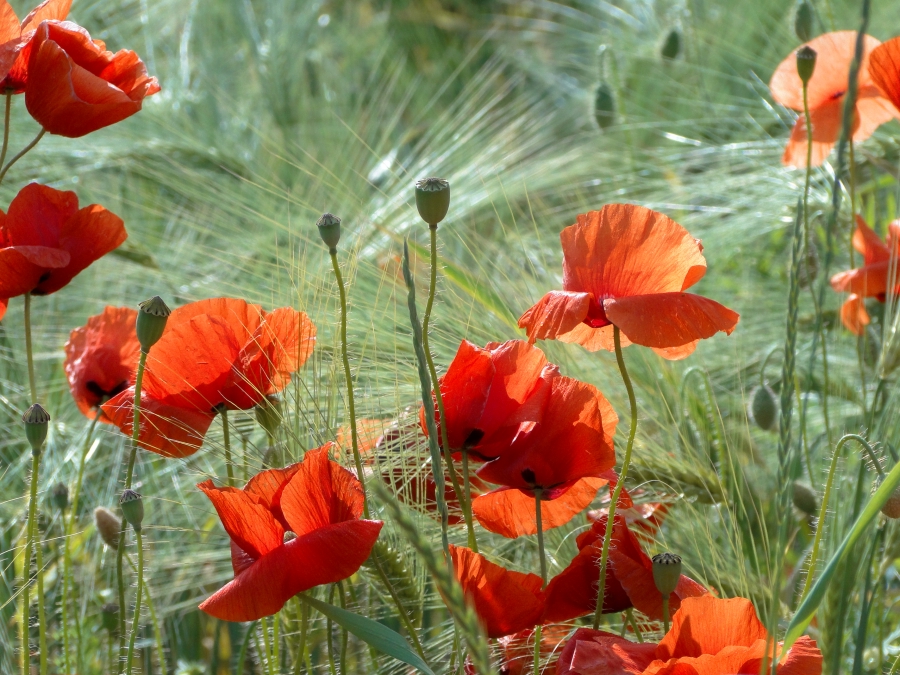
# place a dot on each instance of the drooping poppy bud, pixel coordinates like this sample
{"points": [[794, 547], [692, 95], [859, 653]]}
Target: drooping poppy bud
{"points": [[268, 414], [132, 508], [763, 407], [806, 63], [804, 498], [604, 105], [671, 46], [37, 423], [666, 572], [330, 230], [108, 525], [432, 199], [109, 617], [151, 321], [59, 496], [891, 508], [803, 21]]}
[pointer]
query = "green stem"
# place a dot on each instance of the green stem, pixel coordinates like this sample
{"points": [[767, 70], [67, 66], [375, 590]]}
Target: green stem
{"points": [[26, 568], [404, 617], [67, 571], [109, 652], [329, 638], [42, 618], [226, 441], [537, 649], [466, 502], [276, 641], [629, 613], [304, 627], [665, 615], [267, 645], [610, 521], [22, 153], [543, 558], [135, 622], [351, 406], [242, 655], [157, 633], [464, 496], [29, 349], [340, 586], [6, 126]]}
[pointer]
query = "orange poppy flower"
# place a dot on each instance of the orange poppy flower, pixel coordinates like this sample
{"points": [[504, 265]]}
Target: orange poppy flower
{"points": [[629, 578], [884, 67], [320, 503], [14, 37], [875, 279], [217, 352], [628, 266], [826, 90], [45, 240], [507, 602], [101, 358], [709, 636], [75, 86]]}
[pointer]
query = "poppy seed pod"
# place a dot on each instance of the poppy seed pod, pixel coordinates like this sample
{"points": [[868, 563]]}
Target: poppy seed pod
{"points": [[59, 495], [132, 508], [666, 572], [804, 498], [268, 414], [109, 617], [604, 106], [671, 46], [764, 407], [806, 63], [108, 525], [151, 321], [432, 199], [330, 230], [803, 21], [37, 423]]}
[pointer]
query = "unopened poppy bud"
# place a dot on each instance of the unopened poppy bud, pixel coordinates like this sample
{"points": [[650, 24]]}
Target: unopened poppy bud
{"points": [[806, 63], [108, 525], [132, 508], [109, 617], [432, 199], [604, 106], [891, 508], [803, 21], [37, 423], [151, 321], [59, 495], [763, 407], [671, 46], [666, 572], [804, 498], [268, 414], [330, 230]]}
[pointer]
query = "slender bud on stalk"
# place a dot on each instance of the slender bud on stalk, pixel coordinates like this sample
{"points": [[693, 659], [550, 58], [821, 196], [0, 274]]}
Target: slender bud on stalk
{"points": [[132, 508], [604, 106], [37, 423], [330, 230], [666, 572], [108, 525], [804, 498], [432, 199], [806, 63], [671, 46], [803, 21], [151, 321], [268, 414], [764, 407], [109, 617], [59, 495]]}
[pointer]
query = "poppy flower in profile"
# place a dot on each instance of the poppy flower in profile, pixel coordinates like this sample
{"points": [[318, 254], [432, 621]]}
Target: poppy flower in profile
{"points": [[75, 86], [45, 240], [221, 352], [826, 90], [628, 266], [629, 578], [877, 278], [708, 636], [291, 529], [14, 38], [506, 601], [101, 359]]}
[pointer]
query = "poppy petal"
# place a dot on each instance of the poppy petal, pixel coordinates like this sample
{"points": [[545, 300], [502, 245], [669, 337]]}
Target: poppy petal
{"points": [[854, 315], [596, 652], [669, 319], [707, 625], [320, 493], [37, 214], [593, 339], [246, 519], [872, 111], [677, 353], [49, 10], [510, 512], [9, 22], [868, 282], [327, 555], [268, 486], [884, 68], [803, 658], [4, 305], [21, 267], [241, 316], [557, 313], [868, 243], [826, 126]]}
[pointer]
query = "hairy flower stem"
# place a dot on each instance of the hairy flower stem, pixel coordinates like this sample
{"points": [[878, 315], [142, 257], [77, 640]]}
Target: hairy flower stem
{"points": [[26, 567], [42, 618], [626, 461], [264, 628], [157, 633], [629, 614], [135, 622], [9, 95], [464, 496], [351, 405], [22, 153], [29, 350], [543, 557], [226, 441]]}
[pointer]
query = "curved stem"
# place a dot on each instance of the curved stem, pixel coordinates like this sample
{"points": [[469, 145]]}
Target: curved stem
{"points": [[762, 370], [22, 153], [135, 622], [351, 405], [626, 461], [226, 441], [629, 613], [26, 567], [29, 350], [464, 495], [6, 126]]}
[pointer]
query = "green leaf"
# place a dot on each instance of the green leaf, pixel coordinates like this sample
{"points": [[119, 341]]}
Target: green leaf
{"points": [[807, 609], [371, 632]]}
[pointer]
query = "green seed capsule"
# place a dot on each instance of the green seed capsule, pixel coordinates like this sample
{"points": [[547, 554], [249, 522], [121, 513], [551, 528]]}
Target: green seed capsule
{"points": [[666, 572], [604, 106], [764, 407], [59, 496], [37, 424], [132, 508], [806, 63], [108, 525], [268, 414], [432, 199], [330, 230], [671, 46], [803, 21], [109, 617], [804, 498], [151, 321]]}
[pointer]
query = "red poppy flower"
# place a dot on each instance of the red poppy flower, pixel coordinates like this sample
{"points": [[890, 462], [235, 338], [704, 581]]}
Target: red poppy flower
{"points": [[75, 86], [506, 601], [826, 90], [884, 68], [14, 37], [45, 240], [628, 266], [709, 636], [217, 352], [643, 519], [101, 358], [875, 279], [318, 501], [629, 578]]}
